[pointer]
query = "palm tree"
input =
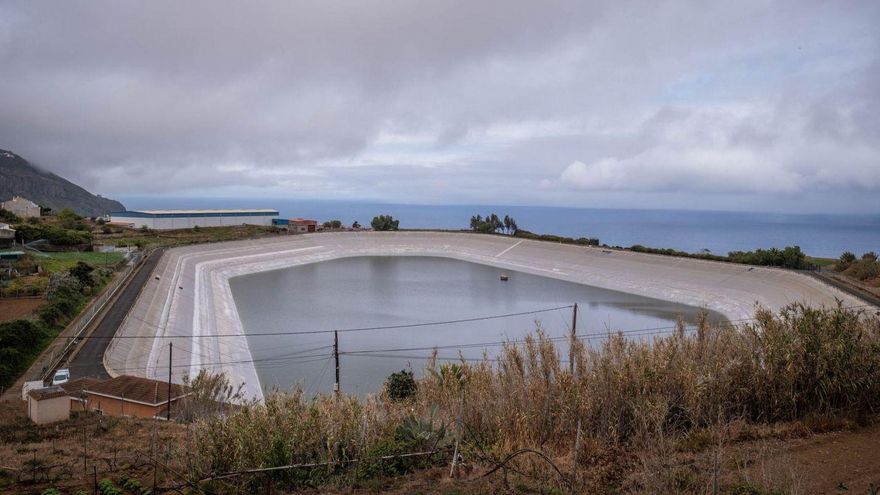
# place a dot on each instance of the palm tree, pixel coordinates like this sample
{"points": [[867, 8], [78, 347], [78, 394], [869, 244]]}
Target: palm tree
{"points": [[513, 227], [476, 220], [495, 222], [507, 223]]}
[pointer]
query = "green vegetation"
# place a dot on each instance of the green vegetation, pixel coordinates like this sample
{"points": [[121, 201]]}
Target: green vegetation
{"points": [[64, 261], [400, 385], [864, 269], [143, 238], [56, 235], [106, 487], [789, 257], [332, 224], [384, 222], [493, 223], [649, 400], [580, 241], [22, 340], [7, 216]]}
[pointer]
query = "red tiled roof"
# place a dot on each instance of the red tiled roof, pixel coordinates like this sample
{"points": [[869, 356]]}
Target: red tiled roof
{"points": [[75, 387], [47, 393], [137, 389]]}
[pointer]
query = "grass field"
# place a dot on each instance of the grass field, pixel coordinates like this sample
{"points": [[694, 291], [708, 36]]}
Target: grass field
{"points": [[59, 262], [822, 262], [180, 237]]}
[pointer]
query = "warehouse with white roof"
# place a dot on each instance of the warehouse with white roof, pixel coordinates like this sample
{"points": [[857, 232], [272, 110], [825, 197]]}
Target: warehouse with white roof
{"points": [[187, 219]]}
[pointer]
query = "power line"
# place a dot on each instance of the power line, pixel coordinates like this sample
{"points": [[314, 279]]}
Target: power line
{"points": [[344, 330]]}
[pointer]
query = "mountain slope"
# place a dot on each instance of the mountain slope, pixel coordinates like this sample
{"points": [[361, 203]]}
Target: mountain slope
{"points": [[19, 177]]}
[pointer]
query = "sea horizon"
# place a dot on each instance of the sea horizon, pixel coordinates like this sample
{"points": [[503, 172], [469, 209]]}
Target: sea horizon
{"points": [[718, 231]]}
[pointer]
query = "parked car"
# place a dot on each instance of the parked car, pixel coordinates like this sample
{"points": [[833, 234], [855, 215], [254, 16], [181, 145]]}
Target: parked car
{"points": [[61, 376]]}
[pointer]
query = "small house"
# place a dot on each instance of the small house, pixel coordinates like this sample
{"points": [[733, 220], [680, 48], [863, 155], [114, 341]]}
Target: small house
{"points": [[302, 225], [7, 234], [48, 405], [125, 396]]}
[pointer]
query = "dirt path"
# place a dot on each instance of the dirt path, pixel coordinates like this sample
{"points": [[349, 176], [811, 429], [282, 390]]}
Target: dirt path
{"points": [[13, 308], [841, 462]]}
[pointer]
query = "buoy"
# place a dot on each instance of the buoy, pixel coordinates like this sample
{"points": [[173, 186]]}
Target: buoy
{"points": [[504, 278]]}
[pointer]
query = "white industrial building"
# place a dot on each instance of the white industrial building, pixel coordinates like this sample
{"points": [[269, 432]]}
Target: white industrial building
{"points": [[187, 219]]}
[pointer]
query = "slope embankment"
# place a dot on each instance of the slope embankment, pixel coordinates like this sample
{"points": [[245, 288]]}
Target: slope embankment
{"points": [[185, 316]]}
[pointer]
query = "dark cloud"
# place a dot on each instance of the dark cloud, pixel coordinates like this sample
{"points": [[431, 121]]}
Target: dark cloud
{"points": [[550, 102]]}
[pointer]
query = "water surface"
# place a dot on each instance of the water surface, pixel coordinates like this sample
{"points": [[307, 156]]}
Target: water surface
{"points": [[383, 291]]}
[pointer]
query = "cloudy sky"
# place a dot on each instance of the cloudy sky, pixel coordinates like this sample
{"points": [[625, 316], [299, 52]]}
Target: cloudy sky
{"points": [[720, 105]]}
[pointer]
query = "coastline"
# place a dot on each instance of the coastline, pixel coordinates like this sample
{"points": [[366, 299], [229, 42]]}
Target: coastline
{"points": [[191, 297]]}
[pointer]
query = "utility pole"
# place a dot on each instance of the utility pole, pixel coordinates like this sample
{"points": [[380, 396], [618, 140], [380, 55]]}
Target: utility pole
{"points": [[574, 323], [170, 351], [336, 357]]}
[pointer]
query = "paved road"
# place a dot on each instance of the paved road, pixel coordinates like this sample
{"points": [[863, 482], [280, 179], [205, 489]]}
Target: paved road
{"points": [[89, 360], [849, 289]]}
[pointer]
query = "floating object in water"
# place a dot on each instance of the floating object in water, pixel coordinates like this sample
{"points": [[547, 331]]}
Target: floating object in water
{"points": [[504, 278]]}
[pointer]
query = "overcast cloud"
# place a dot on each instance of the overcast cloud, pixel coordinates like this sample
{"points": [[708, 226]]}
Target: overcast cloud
{"points": [[737, 105]]}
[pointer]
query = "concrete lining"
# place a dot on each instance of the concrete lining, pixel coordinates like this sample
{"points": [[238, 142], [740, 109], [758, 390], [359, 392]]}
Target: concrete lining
{"points": [[192, 297]]}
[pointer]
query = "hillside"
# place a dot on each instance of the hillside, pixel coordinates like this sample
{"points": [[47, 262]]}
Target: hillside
{"points": [[19, 177]]}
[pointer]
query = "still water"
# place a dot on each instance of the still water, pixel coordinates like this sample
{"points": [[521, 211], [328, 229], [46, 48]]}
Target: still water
{"points": [[361, 292]]}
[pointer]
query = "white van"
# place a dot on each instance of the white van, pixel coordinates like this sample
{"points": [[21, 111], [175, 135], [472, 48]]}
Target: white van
{"points": [[61, 376]]}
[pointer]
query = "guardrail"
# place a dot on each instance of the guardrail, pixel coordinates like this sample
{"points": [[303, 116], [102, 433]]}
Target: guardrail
{"points": [[85, 318]]}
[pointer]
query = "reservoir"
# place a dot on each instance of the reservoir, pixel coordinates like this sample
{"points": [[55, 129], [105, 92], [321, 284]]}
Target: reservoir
{"points": [[298, 305]]}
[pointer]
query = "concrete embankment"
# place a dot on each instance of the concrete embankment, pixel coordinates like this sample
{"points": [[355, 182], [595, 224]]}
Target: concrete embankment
{"points": [[188, 301]]}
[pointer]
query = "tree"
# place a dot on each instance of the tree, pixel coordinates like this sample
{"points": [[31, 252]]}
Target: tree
{"points": [[82, 272], [384, 222], [506, 223], [355, 225], [336, 224], [401, 385], [846, 259], [869, 256], [8, 217], [494, 222], [476, 220], [68, 218]]}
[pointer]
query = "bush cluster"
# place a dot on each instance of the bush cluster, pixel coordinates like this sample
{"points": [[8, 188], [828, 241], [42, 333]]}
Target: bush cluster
{"points": [[22, 340], [385, 222], [865, 268], [493, 223], [580, 241], [55, 235], [788, 257]]}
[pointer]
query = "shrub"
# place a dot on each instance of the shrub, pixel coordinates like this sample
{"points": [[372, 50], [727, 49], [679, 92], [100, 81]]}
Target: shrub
{"points": [[581, 241], [845, 260], [7, 216], [384, 222], [400, 385]]}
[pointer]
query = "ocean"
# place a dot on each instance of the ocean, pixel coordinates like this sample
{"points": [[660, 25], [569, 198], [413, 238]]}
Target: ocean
{"points": [[688, 230]]}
